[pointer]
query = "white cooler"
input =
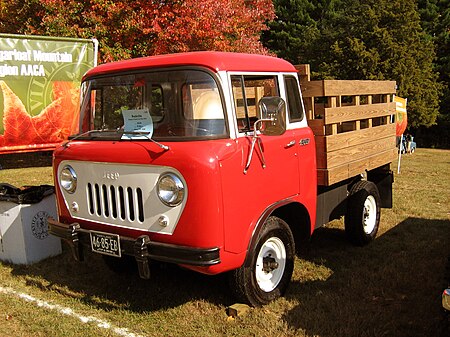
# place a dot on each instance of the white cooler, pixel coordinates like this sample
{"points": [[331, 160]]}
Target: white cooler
{"points": [[24, 237]]}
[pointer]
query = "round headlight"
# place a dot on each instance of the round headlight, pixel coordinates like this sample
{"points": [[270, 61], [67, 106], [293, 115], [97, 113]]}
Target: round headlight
{"points": [[68, 179], [170, 189]]}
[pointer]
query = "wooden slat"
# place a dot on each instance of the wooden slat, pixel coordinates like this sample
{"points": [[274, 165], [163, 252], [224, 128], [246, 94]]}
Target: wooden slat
{"points": [[312, 89], [250, 92], [304, 72], [361, 87], [326, 177], [344, 155], [255, 93], [322, 177], [317, 126], [372, 162], [357, 112], [347, 88], [347, 139], [308, 102]]}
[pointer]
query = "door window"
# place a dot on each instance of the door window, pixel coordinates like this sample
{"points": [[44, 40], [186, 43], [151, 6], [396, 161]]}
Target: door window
{"points": [[294, 101], [247, 91]]}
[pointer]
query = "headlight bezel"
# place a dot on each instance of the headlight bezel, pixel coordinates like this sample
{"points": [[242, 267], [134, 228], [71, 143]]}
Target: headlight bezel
{"points": [[68, 185], [171, 189]]}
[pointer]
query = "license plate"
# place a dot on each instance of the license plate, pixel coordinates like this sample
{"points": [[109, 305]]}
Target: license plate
{"points": [[105, 243]]}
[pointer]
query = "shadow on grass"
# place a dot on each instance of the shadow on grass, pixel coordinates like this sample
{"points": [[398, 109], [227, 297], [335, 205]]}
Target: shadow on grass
{"points": [[389, 288], [26, 159], [94, 284]]}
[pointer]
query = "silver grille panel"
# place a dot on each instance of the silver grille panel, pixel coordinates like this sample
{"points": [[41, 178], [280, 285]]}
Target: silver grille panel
{"points": [[122, 195]]}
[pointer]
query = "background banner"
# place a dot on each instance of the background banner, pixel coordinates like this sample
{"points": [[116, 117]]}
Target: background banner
{"points": [[39, 89], [401, 120]]}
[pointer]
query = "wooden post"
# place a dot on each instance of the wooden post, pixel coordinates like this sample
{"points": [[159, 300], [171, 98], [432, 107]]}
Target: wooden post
{"points": [[303, 72]]}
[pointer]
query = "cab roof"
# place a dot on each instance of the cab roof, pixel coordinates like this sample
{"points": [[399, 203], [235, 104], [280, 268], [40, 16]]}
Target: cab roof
{"points": [[215, 61]]}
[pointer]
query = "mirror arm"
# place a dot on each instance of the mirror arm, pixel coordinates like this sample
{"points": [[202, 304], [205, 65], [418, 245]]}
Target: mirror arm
{"points": [[255, 139]]}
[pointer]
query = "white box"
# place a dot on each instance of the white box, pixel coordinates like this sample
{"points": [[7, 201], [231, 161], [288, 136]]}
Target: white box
{"points": [[24, 237]]}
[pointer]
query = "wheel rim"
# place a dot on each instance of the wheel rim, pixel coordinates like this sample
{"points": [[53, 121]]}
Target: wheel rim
{"points": [[369, 214], [270, 264]]}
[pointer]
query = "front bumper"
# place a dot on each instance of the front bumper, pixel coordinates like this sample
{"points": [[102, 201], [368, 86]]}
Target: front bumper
{"points": [[141, 248]]}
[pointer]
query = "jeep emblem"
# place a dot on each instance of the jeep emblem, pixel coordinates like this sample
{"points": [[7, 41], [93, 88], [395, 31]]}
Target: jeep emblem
{"points": [[111, 175]]}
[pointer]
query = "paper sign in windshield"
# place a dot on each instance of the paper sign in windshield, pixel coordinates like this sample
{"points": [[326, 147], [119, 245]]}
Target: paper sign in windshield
{"points": [[137, 121]]}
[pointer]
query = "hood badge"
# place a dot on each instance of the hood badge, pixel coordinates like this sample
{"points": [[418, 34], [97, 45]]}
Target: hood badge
{"points": [[111, 175]]}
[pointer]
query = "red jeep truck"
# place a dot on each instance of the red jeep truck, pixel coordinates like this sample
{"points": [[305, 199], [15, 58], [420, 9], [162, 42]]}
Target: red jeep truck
{"points": [[206, 160]]}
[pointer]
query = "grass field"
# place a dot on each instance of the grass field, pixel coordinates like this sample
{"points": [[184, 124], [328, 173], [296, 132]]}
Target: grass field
{"points": [[389, 288]]}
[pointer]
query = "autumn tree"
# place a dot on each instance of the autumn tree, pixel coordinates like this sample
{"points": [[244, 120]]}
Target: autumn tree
{"points": [[132, 28], [226, 25], [17, 16]]}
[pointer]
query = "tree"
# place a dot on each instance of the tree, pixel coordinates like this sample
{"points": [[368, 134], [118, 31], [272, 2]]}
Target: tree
{"points": [[292, 31], [367, 39], [227, 25], [131, 28], [18, 15], [435, 19]]}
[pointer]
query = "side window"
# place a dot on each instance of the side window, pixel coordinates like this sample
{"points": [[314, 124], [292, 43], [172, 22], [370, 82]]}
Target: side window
{"points": [[294, 101], [247, 91]]}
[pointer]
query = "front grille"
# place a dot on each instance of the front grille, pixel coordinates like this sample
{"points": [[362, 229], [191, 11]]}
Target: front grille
{"points": [[115, 202]]}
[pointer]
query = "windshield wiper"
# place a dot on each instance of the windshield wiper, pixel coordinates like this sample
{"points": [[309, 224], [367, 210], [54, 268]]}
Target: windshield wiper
{"points": [[145, 134], [119, 132], [66, 144]]}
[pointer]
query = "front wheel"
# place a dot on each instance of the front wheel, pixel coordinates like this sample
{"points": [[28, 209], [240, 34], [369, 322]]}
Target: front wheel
{"points": [[363, 213], [267, 271]]}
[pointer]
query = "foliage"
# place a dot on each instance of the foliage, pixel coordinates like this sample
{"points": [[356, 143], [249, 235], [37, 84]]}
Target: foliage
{"points": [[435, 18], [296, 25], [229, 25], [136, 28], [361, 39]]}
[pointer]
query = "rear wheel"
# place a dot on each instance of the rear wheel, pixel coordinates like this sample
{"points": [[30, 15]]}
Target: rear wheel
{"points": [[363, 213], [267, 272]]}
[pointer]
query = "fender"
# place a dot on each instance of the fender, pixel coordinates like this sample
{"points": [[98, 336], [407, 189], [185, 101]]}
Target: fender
{"points": [[259, 224]]}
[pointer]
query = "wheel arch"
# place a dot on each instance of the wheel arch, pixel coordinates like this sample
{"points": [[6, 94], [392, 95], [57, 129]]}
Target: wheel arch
{"points": [[293, 213], [297, 217]]}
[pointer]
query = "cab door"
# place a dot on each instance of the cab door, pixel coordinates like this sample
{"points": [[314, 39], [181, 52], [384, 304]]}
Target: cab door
{"points": [[273, 173], [305, 145]]}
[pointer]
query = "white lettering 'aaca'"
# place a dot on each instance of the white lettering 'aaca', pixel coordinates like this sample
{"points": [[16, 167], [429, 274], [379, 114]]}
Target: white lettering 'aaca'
{"points": [[32, 70]]}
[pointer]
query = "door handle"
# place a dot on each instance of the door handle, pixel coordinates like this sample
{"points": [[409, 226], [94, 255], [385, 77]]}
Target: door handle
{"points": [[290, 144]]}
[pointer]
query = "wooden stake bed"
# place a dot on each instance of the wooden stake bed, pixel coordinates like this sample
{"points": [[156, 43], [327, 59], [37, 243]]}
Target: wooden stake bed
{"points": [[353, 125]]}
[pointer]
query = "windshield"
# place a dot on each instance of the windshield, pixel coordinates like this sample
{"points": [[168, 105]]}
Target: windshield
{"points": [[169, 105]]}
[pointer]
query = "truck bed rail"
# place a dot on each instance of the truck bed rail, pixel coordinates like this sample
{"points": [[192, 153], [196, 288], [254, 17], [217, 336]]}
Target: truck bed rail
{"points": [[353, 123]]}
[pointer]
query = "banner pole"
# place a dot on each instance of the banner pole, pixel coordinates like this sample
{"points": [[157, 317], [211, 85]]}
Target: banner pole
{"points": [[400, 153]]}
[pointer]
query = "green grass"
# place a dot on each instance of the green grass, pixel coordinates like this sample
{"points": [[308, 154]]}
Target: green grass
{"points": [[389, 288], [30, 176]]}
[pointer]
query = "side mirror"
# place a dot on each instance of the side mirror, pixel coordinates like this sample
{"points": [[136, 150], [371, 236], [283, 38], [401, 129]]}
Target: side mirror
{"points": [[272, 116], [271, 122]]}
